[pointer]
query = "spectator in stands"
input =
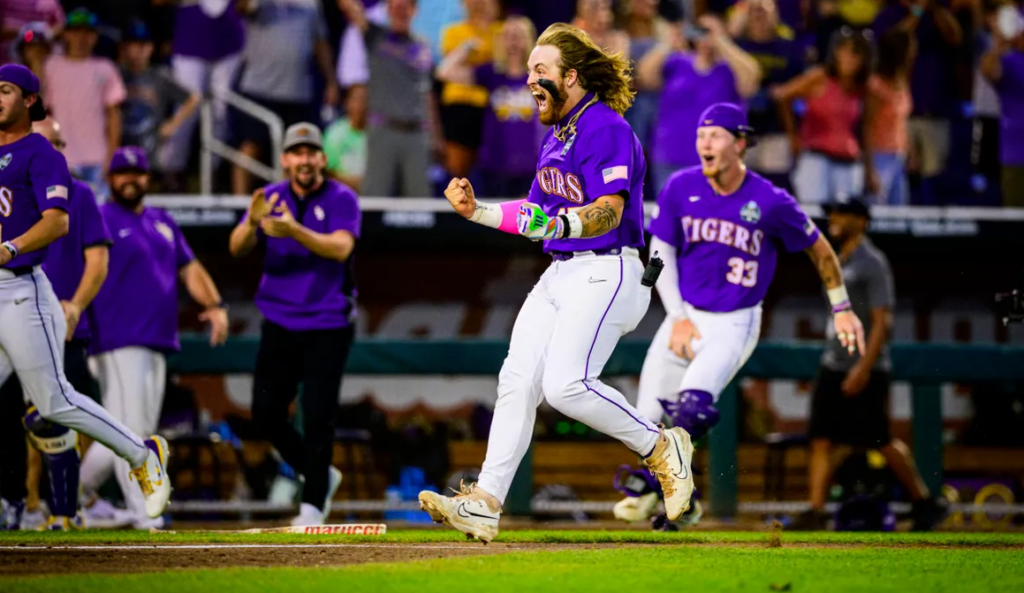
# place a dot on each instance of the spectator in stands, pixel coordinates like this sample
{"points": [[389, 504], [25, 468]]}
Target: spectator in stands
{"points": [[511, 130], [85, 93], [345, 141], [781, 59], [597, 19], [283, 39], [32, 48], [932, 82], [712, 70], [985, 139], [402, 124], [829, 16], [352, 67], [1003, 65], [832, 162], [850, 404], [205, 55], [15, 14], [155, 106], [646, 29], [888, 105], [463, 103]]}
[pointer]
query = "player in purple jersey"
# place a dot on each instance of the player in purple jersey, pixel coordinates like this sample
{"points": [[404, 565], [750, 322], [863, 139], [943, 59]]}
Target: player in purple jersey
{"points": [[719, 229], [586, 206], [34, 203]]}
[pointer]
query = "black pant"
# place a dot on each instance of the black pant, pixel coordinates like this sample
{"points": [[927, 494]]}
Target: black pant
{"points": [[316, 359], [859, 421], [13, 449]]}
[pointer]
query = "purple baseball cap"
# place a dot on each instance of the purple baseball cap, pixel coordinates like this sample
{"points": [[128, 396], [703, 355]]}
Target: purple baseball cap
{"points": [[23, 78], [731, 117], [129, 158]]}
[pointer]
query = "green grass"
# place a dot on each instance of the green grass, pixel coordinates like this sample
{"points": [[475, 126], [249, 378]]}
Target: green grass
{"points": [[981, 562]]}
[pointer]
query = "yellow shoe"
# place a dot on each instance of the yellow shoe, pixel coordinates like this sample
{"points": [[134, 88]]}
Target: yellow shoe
{"points": [[670, 463], [152, 476], [472, 511], [634, 509]]}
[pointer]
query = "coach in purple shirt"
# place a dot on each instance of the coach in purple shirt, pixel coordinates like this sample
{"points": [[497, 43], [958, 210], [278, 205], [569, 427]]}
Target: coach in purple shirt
{"points": [[309, 225]]}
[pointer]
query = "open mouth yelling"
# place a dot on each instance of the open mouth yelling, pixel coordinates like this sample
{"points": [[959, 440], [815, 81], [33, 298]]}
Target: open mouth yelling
{"points": [[541, 99]]}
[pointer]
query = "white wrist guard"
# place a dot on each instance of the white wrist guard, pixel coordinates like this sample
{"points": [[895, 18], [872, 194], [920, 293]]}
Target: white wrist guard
{"points": [[573, 225], [839, 299], [487, 215]]}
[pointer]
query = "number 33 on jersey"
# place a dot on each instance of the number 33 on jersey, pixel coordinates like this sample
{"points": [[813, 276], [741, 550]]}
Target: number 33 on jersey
{"points": [[728, 245]]}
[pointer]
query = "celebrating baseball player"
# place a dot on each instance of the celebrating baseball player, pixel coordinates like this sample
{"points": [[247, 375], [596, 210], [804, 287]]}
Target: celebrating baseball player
{"points": [[76, 266], [34, 204], [719, 229], [586, 206], [136, 313]]}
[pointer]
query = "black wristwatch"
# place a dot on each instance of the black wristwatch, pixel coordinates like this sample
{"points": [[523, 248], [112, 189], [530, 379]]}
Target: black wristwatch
{"points": [[10, 248]]}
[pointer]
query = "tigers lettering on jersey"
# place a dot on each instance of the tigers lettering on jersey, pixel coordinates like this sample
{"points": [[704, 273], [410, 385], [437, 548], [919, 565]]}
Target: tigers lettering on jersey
{"points": [[553, 181], [723, 231]]}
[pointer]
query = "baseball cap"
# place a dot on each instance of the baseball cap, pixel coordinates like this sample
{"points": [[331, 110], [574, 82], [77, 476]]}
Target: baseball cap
{"points": [[129, 158], [23, 78], [853, 205], [303, 133], [137, 31], [81, 18], [731, 117]]}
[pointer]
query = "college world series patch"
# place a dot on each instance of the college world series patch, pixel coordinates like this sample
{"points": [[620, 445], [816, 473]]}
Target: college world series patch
{"points": [[751, 212]]}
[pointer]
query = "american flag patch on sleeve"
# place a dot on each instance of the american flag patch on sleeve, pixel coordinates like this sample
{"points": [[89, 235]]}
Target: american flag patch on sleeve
{"points": [[612, 173], [57, 191], [809, 227]]}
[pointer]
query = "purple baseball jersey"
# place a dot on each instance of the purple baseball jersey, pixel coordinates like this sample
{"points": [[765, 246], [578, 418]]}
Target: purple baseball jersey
{"points": [[65, 258], [138, 303], [300, 290], [603, 158], [727, 245], [33, 177]]}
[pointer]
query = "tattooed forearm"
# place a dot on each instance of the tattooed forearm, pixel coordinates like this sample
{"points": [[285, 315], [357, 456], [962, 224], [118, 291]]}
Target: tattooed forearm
{"points": [[598, 219], [827, 263]]}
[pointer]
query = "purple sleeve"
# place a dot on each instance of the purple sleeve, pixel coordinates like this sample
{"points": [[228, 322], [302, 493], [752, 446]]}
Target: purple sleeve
{"points": [[483, 75], [344, 213], [607, 161], [94, 228], [51, 181], [674, 64], [182, 252], [790, 225], [665, 223]]}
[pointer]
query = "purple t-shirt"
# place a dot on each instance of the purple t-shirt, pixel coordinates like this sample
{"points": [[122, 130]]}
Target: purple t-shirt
{"points": [[33, 177], [511, 131], [300, 290], [685, 94], [198, 35], [603, 158], [138, 303], [1011, 100], [65, 258], [727, 245], [932, 80]]}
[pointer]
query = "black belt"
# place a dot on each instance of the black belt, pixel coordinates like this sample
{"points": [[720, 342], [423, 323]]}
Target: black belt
{"points": [[567, 255], [19, 271]]}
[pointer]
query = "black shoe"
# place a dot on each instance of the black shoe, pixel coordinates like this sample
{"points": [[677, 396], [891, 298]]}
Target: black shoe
{"points": [[810, 520], [928, 513]]}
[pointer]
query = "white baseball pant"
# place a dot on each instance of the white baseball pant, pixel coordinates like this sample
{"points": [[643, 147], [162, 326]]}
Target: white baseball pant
{"points": [[727, 341], [132, 383], [32, 332], [562, 338]]}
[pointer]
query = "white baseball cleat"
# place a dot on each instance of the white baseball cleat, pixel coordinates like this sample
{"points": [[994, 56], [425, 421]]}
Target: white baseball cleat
{"points": [[670, 463], [472, 511], [308, 515], [103, 515], [634, 509], [152, 476], [333, 483]]}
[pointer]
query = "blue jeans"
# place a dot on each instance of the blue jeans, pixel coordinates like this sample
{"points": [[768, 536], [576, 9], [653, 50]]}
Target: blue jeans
{"points": [[892, 180], [93, 175], [817, 179]]}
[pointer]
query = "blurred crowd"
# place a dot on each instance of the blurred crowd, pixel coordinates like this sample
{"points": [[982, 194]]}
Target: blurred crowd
{"points": [[907, 102]]}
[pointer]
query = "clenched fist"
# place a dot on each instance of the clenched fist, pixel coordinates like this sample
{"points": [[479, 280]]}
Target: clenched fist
{"points": [[460, 195]]}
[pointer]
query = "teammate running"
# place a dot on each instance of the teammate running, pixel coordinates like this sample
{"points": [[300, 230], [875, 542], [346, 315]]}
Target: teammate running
{"points": [[586, 206], [34, 182], [719, 229]]}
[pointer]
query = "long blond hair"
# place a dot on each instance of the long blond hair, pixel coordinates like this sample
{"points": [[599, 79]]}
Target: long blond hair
{"points": [[501, 52], [606, 75]]}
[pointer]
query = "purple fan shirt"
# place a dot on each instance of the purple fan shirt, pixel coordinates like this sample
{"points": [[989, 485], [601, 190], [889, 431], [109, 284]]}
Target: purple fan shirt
{"points": [[300, 290], [65, 258], [727, 245], [604, 158], [1010, 88], [33, 177], [511, 133], [138, 303], [211, 38]]}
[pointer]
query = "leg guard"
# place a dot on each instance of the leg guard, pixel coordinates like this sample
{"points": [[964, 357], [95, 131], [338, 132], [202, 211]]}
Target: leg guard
{"points": [[695, 412], [59, 446]]}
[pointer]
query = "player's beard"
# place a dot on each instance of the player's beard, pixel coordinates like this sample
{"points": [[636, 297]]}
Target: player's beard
{"points": [[129, 195], [551, 113]]}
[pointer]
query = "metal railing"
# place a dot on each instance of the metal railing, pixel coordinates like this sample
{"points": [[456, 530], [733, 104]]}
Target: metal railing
{"points": [[211, 146]]}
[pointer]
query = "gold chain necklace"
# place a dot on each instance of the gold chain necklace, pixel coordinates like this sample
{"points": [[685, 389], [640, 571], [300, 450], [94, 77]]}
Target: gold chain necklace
{"points": [[562, 134]]}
